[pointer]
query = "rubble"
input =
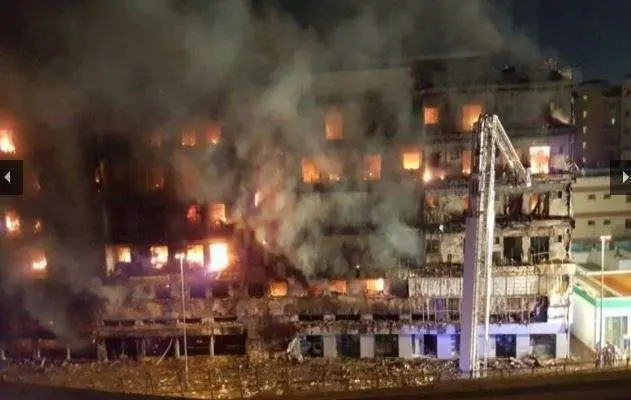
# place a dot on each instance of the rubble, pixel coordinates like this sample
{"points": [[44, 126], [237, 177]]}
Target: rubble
{"points": [[242, 377]]}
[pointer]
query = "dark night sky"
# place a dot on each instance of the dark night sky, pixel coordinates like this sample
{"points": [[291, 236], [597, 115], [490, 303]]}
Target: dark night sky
{"points": [[593, 35], [589, 35]]}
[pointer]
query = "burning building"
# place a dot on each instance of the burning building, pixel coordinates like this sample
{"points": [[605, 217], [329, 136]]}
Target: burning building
{"points": [[342, 224], [352, 239]]}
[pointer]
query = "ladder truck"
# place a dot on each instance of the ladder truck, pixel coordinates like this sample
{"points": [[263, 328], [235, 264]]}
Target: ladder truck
{"points": [[489, 138]]}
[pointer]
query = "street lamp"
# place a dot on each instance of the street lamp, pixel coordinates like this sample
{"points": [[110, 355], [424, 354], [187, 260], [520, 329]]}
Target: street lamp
{"points": [[603, 239], [180, 257]]}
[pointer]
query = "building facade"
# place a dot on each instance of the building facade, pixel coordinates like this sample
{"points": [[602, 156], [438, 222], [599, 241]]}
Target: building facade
{"points": [[341, 219], [597, 212]]}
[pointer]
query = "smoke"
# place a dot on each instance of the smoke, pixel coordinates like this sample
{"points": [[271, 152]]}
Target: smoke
{"points": [[115, 67]]}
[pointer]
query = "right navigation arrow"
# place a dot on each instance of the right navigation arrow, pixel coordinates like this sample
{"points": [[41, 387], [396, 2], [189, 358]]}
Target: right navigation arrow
{"points": [[7, 177], [625, 177]]}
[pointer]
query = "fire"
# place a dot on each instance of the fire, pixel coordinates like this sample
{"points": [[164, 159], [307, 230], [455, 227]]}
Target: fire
{"points": [[12, 222], [193, 215], [195, 254], [427, 176], [470, 115], [372, 167], [6, 142], [38, 227], [39, 264], [123, 254], [412, 160], [257, 199], [219, 256], [159, 256], [213, 133], [375, 286], [278, 289]]}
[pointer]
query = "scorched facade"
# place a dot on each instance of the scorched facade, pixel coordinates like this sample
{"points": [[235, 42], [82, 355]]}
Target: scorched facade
{"points": [[348, 231]]}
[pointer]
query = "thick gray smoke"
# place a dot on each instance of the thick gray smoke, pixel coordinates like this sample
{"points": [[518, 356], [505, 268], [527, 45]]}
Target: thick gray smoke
{"points": [[133, 66]]}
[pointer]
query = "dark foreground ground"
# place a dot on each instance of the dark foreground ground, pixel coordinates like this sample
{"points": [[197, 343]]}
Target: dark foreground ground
{"points": [[612, 385]]}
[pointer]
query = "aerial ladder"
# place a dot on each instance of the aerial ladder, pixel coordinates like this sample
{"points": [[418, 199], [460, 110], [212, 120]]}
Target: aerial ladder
{"points": [[489, 138]]}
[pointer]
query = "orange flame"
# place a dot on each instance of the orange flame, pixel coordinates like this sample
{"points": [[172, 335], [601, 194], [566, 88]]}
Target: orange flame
{"points": [[39, 264], [6, 142], [12, 222], [219, 256]]}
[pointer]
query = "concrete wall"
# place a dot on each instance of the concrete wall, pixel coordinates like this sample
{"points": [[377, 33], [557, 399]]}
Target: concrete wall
{"points": [[405, 346], [596, 213], [367, 346]]}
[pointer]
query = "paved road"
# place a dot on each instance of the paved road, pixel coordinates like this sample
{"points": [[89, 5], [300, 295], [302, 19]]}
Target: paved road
{"points": [[614, 386]]}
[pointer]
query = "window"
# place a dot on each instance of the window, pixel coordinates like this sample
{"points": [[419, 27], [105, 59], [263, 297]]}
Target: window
{"points": [[606, 196], [433, 246], [372, 168], [584, 130], [559, 194], [627, 223], [470, 115], [412, 160], [217, 213], [310, 173], [123, 254], [325, 169], [584, 145], [195, 255], [584, 114], [193, 214], [454, 155], [213, 133], [540, 159], [466, 203], [590, 223], [466, 162], [219, 256], [607, 222], [333, 124], [159, 256], [155, 178], [430, 115], [591, 197], [189, 138]]}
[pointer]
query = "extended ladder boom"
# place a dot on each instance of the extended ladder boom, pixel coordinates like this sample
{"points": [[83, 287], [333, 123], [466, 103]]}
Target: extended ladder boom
{"points": [[478, 244]]}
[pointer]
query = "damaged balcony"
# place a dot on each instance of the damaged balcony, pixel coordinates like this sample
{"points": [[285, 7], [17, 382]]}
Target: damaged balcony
{"points": [[523, 243]]}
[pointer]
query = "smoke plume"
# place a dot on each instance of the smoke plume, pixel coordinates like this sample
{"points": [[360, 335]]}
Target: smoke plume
{"points": [[131, 67]]}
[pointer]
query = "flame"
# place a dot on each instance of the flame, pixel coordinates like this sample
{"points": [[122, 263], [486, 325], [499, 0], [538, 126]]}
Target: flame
{"points": [[427, 176], [6, 143], [219, 256], [39, 264], [12, 222], [257, 199], [195, 254], [123, 254], [159, 256], [278, 289], [38, 226], [412, 160]]}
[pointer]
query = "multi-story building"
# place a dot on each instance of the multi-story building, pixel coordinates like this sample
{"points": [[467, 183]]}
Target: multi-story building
{"points": [[341, 219], [597, 212], [600, 122]]}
